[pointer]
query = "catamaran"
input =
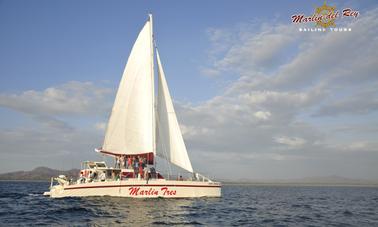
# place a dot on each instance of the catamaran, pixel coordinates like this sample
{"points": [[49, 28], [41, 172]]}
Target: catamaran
{"points": [[141, 127]]}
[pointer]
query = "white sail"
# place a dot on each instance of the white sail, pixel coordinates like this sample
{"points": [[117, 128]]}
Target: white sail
{"points": [[170, 144], [131, 128]]}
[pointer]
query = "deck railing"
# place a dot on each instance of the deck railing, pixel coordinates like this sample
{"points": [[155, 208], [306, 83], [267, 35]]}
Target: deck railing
{"points": [[167, 176]]}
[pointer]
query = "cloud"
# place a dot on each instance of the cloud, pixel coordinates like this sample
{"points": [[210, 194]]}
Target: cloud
{"points": [[283, 85], [74, 97], [278, 100], [332, 57], [27, 148], [245, 50], [360, 103], [190, 131], [101, 126], [292, 142], [360, 147], [209, 72], [51, 105], [277, 56], [263, 115], [59, 135]]}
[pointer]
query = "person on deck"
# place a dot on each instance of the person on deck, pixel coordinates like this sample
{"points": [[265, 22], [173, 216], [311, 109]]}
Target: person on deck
{"points": [[140, 172], [117, 162], [129, 163], [141, 167], [146, 175], [91, 176], [81, 178], [102, 176], [144, 163], [122, 162], [136, 166]]}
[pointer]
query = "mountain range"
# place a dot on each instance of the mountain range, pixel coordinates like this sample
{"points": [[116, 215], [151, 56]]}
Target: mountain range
{"points": [[45, 174], [323, 180], [39, 173]]}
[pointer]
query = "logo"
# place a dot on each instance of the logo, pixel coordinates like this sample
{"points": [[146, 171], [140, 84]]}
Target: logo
{"points": [[324, 17], [327, 15]]}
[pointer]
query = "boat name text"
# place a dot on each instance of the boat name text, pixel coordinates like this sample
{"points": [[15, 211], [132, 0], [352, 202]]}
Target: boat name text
{"points": [[137, 191]]}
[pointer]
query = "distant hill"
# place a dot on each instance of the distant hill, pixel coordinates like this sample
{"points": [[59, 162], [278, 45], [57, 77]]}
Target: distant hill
{"points": [[326, 180], [334, 180], [45, 174], [39, 173]]}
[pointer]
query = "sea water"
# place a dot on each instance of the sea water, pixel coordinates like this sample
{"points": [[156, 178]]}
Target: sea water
{"points": [[22, 203]]}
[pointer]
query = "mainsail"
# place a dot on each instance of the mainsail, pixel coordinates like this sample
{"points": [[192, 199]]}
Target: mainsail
{"points": [[131, 126], [170, 144]]}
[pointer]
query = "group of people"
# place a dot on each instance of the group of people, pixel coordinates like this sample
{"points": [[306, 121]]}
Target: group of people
{"points": [[137, 163], [98, 175]]}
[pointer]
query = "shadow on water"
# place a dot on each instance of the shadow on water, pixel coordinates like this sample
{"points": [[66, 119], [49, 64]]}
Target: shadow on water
{"points": [[127, 211], [141, 211]]}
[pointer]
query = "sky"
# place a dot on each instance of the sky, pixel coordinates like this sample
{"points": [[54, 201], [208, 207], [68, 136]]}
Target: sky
{"points": [[255, 97]]}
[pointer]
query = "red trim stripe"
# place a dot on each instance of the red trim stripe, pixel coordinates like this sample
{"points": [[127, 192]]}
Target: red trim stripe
{"points": [[145, 185]]}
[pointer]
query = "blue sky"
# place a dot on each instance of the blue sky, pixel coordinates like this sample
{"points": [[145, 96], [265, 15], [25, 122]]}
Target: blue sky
{"points": [[50, 42], [246, 83]]}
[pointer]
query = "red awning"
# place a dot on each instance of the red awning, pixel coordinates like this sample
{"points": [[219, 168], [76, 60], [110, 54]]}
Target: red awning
{"points": [[148, 156]]}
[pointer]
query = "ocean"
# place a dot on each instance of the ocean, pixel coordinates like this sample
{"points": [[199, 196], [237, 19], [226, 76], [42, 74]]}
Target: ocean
{"points": [[22, 204]]}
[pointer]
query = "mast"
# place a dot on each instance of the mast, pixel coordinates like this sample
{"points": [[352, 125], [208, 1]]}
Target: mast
{"points": [[152, 87]]}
